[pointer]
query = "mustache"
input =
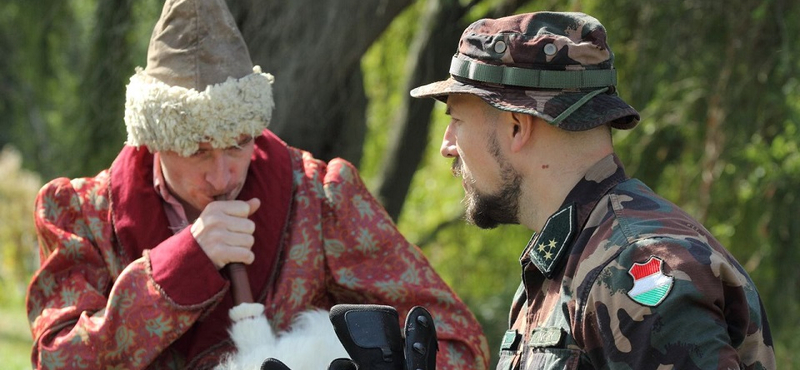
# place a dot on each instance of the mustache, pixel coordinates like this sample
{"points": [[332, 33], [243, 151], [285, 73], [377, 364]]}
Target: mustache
{"points": [[455, 168]]}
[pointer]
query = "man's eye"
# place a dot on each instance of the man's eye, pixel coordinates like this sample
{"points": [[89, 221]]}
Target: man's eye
{"points": [[246, 141], [240, 145]]}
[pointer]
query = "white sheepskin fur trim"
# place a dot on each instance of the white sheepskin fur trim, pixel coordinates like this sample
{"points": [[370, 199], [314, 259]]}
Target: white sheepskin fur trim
{"points": [[164, 117], [311, 343]]}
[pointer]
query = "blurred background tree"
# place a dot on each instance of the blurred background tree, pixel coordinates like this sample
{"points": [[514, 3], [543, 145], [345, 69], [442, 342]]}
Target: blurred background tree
{"points": [[18, 255], [716, 83]]}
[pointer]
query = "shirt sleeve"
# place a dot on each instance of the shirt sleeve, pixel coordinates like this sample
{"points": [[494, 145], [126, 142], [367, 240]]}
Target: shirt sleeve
{"points": [[88, 307], [675, 302], [371, 262]]}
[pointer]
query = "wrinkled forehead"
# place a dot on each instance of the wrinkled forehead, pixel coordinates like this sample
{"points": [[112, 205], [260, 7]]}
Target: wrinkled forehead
{"points": [[241, 139], [463, 102]]}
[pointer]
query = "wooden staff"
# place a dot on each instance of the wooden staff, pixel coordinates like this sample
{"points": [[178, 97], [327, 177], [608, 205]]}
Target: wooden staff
{"points": [[240, 284]]}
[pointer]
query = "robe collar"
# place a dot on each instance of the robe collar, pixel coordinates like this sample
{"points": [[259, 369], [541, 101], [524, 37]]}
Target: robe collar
{"points": [[141, 223]]}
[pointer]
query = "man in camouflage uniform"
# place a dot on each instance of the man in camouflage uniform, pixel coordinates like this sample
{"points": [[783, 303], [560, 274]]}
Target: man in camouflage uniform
{"points": [[615, 277]]}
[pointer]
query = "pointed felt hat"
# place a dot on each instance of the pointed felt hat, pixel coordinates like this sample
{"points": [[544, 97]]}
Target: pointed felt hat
{"points": [[199, 85]]}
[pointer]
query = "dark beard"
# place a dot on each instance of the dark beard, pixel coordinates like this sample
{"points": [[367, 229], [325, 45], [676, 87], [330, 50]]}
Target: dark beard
{"points": [[487, 211]]}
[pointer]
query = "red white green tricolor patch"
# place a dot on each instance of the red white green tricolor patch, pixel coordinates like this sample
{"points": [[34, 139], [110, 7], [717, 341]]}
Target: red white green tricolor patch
{"points": [[650, 285]]}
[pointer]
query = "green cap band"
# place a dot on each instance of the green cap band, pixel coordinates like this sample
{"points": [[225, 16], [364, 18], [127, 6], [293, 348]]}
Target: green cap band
{"points": [[535, 78]]}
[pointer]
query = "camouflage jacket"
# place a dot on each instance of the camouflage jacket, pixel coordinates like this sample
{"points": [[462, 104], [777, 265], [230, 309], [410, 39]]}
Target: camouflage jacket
{"points": [[620, 278], [118, 290]]}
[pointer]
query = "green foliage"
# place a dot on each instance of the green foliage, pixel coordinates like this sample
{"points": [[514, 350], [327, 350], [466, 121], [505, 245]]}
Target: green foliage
{"points": [[18, 256], [15, 338], [63, 82], [383, 71], [37, 76], [116, 45], [18, 248]]}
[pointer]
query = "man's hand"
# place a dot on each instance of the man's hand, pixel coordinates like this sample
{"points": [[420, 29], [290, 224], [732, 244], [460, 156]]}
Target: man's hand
{"points": [[224, 231]]}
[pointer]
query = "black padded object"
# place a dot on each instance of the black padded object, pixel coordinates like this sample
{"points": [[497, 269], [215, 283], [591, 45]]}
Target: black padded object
{"points": [[370, 334], [420, 345], [273, 364], [342, 364]]}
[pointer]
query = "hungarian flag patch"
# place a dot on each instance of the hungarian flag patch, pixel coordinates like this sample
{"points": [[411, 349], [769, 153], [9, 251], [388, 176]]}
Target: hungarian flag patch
{"points": [[650, 285]]}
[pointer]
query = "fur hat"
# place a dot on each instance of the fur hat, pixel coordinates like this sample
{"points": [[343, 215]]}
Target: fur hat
{"points": [[199, 85]]}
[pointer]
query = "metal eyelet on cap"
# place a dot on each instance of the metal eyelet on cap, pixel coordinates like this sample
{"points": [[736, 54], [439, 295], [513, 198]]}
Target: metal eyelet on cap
{"points": [[550, 49], [500, 47]]}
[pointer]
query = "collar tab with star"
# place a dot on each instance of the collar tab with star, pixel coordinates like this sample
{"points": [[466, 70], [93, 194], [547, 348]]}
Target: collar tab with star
{"points": [[550, 246]]}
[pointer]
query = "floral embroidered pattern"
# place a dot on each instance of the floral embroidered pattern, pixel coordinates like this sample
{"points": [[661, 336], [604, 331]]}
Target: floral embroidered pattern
{"points": [[92, 306]]}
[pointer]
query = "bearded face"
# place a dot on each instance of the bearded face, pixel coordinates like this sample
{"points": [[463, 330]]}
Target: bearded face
{"points": [[487, 210]]}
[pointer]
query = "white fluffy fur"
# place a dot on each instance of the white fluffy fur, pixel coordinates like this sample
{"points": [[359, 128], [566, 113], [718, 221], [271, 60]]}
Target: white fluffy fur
{"points": [[164, 117], [311, 343]]}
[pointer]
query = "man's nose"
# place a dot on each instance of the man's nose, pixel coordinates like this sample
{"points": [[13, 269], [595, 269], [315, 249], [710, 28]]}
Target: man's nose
{"points": [[448, 149], [218, 174]]}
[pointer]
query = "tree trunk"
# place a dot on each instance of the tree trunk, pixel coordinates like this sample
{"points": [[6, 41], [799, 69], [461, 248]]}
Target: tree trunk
{"points": [[314, 50], [99, 118], [429, 59]]}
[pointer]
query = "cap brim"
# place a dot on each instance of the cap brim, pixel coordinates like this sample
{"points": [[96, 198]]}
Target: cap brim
{"points": [[546, 104], [440, 89]]}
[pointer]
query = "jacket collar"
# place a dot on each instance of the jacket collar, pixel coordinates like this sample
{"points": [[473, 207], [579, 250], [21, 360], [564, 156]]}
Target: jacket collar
{"points": [[547, 248]]}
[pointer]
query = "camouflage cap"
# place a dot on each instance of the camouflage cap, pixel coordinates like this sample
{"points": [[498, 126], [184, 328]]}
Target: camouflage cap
{"points": [[556, 66]]}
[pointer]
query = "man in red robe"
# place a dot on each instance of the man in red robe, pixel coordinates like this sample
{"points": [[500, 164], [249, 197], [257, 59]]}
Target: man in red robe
{"points": [[131, 274]]}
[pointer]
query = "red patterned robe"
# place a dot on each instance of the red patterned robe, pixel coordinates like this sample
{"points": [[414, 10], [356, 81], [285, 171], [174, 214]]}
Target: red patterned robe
{"points": [[118, 290]]}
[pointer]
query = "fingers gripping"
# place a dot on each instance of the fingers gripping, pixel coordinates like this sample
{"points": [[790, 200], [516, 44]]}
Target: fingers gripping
{"points": [[224, 231]]}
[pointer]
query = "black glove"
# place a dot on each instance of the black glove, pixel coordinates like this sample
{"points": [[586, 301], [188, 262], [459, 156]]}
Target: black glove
{"points": [[372, 338]]}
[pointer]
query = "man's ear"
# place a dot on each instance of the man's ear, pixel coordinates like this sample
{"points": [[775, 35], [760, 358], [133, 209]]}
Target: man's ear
{"points": [[524, 125]]}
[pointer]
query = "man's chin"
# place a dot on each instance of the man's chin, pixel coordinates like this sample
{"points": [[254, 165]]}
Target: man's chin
{"points": [[487, 219], [485, 224], [480, 219], [488, 223]]}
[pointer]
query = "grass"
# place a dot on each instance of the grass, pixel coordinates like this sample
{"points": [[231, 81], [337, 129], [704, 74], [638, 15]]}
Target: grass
{"points": [[15, 338]]}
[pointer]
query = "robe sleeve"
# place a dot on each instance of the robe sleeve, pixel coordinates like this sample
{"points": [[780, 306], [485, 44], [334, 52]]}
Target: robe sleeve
{"points": [[371, 262], [88, 307]]}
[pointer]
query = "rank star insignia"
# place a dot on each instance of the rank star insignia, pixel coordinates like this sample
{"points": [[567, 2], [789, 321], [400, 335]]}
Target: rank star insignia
{"points": [[542, 248], [650, 284], [549, 247]]}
